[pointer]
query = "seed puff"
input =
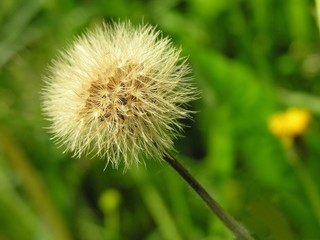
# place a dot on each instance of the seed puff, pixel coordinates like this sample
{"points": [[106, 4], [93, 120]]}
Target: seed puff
{"points": [[118, 92]]}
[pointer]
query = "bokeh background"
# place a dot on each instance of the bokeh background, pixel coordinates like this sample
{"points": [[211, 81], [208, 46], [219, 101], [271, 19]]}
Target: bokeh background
{"points": [[251, 59]]}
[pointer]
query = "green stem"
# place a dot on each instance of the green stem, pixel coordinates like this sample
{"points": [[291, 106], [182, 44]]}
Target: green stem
{"points": [[235, 227], [157, 208], [33, 185], [318, 12], [306, 180]]}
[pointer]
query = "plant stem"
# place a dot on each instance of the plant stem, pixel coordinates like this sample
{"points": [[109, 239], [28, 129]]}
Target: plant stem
{"points": [[308, 183], [317, 2], [34, 187], [235, 227]]}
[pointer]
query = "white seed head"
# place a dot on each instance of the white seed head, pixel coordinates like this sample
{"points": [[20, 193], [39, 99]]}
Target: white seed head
{"points": [[118, 92]]}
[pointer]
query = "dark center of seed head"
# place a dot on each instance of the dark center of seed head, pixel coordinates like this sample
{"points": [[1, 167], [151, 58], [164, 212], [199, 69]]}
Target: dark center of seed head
{"points": [[103, 94]]}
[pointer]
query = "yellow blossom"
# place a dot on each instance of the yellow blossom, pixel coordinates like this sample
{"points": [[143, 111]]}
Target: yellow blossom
{"points": [[289, 124]]}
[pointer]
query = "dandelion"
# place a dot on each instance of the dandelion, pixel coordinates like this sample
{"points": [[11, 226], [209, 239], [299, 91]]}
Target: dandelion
{"points": [[289, 124], [118, 92]]}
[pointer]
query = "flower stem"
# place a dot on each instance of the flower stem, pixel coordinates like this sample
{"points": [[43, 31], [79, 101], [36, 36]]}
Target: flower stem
{"points": [[240, 232], [308, 183]]}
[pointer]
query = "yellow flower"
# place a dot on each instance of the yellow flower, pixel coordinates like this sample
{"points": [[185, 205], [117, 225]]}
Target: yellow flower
{"points": [[119, 92], [289, 124]]}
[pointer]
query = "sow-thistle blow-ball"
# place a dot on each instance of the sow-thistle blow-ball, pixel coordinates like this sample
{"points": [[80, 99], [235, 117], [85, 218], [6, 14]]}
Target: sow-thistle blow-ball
{"points": [[118, 92]]}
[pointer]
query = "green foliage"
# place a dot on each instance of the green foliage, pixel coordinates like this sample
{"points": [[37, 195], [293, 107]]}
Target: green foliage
{"points": [[249, 58]]}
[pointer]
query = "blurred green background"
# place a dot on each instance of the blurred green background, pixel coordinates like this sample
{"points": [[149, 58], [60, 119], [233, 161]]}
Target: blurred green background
{"points": [[250, 59]]}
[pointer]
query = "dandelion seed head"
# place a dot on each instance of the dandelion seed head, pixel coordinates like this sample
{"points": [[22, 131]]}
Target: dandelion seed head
{"points": [[118, 92]]}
